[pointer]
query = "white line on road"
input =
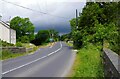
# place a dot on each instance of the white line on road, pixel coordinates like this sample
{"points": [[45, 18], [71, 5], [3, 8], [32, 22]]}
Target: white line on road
{"points": [[33, 61]]}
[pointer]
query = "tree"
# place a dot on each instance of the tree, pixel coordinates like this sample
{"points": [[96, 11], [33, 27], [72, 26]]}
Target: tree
{"points": [[41, 37], [23, 27], [54, 34], [24, 39], [66, 37], [98, 22]]}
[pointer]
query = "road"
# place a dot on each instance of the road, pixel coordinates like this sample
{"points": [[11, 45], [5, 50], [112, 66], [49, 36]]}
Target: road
{"points": [[54, 61]]}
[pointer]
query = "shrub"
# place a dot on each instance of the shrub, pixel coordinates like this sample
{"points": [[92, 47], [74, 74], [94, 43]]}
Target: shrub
{"points": [[6, 54], [19, 44], [24, 39], [5, 44]]}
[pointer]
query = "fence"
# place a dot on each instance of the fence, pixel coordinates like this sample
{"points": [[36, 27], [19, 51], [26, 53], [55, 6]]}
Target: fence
{"points": [[111, 63]]}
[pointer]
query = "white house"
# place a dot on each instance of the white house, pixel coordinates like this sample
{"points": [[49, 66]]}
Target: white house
{"points": [[6, 33]]}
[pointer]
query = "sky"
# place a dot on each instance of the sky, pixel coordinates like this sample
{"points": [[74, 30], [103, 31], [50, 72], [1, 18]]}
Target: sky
{"points": [[44, 14]]}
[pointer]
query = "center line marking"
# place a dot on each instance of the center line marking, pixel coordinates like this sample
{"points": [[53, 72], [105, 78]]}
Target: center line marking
{"points": [[33, 61]]}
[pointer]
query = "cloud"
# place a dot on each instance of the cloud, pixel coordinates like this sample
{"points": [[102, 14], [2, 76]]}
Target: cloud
{"points": [[55, 9]]}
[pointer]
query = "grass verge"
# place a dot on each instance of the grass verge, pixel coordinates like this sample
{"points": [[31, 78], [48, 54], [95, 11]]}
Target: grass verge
{"points": [[6, 54], [69, 44], [88, 63]]}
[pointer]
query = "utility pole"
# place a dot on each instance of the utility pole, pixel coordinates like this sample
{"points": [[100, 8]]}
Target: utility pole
{"points": [[79, 13], [76, 41], [0, 17], [76, 19]]}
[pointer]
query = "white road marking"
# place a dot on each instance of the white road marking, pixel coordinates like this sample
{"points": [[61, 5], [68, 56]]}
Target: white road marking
{"points": [[33, 61]]}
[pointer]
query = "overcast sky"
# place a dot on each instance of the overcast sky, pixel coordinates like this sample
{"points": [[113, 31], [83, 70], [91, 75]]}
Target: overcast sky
{"points": [[58, 12]]}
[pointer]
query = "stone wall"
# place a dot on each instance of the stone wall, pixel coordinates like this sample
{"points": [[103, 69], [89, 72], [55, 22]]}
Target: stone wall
{"points": [[111, 63], [15, 49], [29, 49]]}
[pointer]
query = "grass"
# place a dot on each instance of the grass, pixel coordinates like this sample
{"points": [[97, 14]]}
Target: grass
{"points": [[6, 54], [28, 45], [69, 44], [88, 63]]}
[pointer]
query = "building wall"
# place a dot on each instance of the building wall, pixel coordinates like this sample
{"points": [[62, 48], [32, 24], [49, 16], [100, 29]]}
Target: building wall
{"points": [[5, 33], [0, 31], [13, 36]]}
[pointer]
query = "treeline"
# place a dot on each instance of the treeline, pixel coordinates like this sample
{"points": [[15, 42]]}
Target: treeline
{"points": [[66, 37], [25, 32], [97, 24], [45, 36]]}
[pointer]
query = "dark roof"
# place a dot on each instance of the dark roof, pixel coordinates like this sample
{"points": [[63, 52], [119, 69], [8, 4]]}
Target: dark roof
{"points": [[5, 24]]}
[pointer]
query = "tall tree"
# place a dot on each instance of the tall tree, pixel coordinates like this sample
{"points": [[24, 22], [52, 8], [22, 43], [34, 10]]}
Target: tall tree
{"points": [[41, 37], [23, 27], [98, 22]]}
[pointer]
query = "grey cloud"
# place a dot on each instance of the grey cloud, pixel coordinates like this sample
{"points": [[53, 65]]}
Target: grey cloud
{"points": [[42, 21]]}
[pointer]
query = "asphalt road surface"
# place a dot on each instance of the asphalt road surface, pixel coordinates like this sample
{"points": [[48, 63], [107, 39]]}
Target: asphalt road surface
{"points": [[53, 61]]}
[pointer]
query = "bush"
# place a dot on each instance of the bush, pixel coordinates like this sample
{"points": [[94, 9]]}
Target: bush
{"points": [[6, 54], [19, 44], [24, 39], [5, 44]]}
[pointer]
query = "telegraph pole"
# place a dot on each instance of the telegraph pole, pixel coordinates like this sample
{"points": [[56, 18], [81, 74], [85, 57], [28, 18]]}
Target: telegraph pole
{"points": [[0, 17], [76, 19], [76, 41]]}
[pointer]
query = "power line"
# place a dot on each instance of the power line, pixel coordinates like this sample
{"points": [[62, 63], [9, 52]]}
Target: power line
{"points": [[35, 10]]}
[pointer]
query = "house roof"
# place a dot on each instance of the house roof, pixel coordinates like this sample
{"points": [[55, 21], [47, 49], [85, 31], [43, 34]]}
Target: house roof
{"points": [[5, 24]]}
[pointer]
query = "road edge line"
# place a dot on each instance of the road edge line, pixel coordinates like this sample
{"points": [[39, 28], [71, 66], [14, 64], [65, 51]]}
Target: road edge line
{"points": [[33, 60]]}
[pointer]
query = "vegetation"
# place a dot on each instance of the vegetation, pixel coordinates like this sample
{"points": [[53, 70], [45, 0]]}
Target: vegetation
{"points": [[6, 54], [66, 37], [24, 29], [97, 27], [28, 45], [25, 34], [19, 44], [44, 36], [97, 23], [54, 34], [5, 44], [69, 44], [88, 63]]}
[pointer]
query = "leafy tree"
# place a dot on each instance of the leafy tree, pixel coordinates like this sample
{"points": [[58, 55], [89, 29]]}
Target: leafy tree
{"points": [[24, 39], [41, 37], [66, 37], [98, 22], [54, 34], [23, 27]]}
